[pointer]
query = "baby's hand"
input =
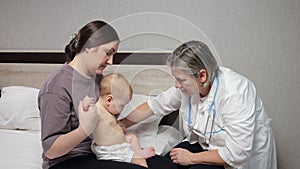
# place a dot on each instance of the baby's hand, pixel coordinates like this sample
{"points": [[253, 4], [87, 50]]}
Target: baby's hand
{"points": [[87, 103], [122, 125]]}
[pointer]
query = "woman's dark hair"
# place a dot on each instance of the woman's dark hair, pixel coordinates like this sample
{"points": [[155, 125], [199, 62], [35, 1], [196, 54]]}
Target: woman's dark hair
{"points": [[93, 34]]}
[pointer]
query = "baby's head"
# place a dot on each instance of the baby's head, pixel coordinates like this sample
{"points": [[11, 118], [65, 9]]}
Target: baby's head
{"points": [[116, 91]]}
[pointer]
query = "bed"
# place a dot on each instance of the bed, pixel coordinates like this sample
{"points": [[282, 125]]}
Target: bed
{"points": [[20, 145]]}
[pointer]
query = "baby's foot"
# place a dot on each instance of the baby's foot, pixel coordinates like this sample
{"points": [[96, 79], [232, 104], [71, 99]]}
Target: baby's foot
{"points": [[148, 152]]}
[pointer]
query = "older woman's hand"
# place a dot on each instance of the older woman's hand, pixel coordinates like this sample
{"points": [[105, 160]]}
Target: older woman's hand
{"points": [[181, 156]]}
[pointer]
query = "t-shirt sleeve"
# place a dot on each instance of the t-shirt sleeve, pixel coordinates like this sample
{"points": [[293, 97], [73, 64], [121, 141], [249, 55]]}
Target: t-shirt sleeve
{"points": [[55, 118]]}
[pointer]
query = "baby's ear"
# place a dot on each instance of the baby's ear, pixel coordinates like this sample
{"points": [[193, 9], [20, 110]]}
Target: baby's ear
{"points": [[108, 100]]}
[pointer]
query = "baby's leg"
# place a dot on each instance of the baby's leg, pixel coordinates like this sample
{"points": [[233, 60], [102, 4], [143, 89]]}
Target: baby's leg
{"points": [[139, 161], [133, 141], [135, 145]]}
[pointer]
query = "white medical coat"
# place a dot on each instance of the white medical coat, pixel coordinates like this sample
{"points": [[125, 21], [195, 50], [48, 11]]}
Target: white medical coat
{"points": [[246, 140]]}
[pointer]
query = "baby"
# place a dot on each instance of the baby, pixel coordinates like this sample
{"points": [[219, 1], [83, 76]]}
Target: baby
{"points": [[110, 141]]}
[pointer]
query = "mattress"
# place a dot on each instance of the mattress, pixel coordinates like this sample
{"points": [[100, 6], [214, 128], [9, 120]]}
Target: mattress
{"points": [[20, 149]]}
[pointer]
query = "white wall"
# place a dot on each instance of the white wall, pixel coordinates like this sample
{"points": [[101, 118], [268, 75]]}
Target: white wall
{"points": [[258, 38]]}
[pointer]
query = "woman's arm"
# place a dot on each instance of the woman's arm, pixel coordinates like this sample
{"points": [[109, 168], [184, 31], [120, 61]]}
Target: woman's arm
{"points": [[142, 112], [66, 142], [163, 104]]}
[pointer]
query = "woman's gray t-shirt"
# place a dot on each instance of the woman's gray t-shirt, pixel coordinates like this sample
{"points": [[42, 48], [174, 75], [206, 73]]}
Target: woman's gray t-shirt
{"points": [[58, 99]]}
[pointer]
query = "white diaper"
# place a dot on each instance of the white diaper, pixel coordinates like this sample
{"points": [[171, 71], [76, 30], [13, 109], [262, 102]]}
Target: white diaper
{"points": [[120, 152]]}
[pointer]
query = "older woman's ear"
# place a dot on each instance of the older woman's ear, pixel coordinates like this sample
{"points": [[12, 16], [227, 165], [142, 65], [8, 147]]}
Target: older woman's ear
{"points": [[202, 75]]}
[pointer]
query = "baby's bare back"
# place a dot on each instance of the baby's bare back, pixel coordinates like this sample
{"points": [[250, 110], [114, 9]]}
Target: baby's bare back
{"points": [[108, 132]]}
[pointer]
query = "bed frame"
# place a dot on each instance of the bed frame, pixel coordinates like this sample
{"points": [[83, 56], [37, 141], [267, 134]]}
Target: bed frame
{"points": [[145, 79], [146, 72], [147, 76]]}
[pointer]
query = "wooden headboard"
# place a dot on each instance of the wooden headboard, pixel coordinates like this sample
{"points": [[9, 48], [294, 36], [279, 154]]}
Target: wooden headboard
{"points": [[25, 74], [146, 72]]}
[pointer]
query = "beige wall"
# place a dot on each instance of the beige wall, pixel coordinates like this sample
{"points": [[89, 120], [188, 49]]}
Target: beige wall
{"points": [[259, 39]]}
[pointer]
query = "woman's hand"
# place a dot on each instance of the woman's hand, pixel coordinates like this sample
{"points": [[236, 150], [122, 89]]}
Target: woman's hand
{"points": [[88, 119], [181, 156], [184, 157]]}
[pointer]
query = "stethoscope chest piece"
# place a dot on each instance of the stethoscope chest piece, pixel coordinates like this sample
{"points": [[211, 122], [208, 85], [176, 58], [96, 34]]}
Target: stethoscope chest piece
{"points": [[213, 114]]}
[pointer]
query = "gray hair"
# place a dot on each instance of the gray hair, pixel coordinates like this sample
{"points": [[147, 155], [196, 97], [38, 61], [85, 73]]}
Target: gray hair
{"points": [[193, 56]]}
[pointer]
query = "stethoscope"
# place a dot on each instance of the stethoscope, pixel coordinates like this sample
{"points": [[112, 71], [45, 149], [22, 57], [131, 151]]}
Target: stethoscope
{"points": [[211, 107]]}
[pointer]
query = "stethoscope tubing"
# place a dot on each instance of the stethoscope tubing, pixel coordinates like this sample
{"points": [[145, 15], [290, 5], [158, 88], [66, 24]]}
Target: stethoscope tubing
{"points": [[209, 110]]}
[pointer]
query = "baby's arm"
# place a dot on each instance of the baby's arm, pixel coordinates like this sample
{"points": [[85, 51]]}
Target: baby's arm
{"points": [[87, 103]]}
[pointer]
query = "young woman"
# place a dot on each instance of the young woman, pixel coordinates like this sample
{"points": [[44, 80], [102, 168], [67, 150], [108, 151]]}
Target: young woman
{"points": [[65, 129]]}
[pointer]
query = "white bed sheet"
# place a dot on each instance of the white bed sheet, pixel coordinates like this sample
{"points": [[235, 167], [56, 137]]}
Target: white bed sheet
{"points": [[20, 149]]}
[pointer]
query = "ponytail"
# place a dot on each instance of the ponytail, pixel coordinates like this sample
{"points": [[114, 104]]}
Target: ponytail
{"points": [[71, 48]]}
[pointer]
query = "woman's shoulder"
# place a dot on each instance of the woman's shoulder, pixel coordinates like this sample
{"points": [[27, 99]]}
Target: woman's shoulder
{"points": [[235, 82], [58, 80]]}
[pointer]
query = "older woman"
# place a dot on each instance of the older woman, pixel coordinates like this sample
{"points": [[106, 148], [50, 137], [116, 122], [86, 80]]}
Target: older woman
{"points": [[222, 117]]}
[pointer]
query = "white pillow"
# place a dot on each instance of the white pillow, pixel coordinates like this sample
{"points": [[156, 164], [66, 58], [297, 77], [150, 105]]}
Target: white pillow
{"points": [[19, 108]]}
